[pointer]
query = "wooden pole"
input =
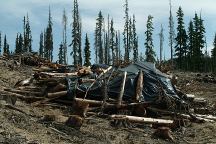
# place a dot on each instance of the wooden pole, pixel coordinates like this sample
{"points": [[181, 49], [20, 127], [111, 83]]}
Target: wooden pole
{"points": [[142, 119], [139, 86], [122, 90]]}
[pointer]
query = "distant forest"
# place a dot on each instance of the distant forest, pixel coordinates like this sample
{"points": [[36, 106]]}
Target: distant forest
{"points": [[188, 48]]}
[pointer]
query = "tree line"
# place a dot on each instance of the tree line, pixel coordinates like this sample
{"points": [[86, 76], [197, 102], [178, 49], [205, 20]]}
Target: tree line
{"points": [[188, 48]]}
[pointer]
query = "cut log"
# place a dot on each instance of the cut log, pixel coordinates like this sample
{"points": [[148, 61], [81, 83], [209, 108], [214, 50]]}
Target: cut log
{"points": [[59, 87], [51, 96], [142, 119], [80, 108], [107, 105], [24, 92], [139, 87], [75, 121], [122, 90], [210, 117], [164, 133], [25, 98], [57, 94], [30, 88], [190, 117], [59, 74]]}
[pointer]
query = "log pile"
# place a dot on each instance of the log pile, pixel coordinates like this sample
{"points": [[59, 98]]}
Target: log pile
{"points": [[57, 83]]}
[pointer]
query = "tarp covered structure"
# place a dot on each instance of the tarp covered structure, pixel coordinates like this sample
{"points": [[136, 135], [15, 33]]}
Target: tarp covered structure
{"points": [[153, 82]]}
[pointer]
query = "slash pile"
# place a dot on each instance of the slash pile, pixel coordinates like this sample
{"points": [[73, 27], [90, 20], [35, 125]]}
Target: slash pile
{"points": [[92, 91]]}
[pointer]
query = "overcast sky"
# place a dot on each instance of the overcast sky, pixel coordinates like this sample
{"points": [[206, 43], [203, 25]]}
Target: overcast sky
{"points": [[12, 12]]}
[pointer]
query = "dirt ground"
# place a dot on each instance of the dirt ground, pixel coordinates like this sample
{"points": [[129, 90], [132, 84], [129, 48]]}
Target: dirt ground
{"points": [[20, 128]]}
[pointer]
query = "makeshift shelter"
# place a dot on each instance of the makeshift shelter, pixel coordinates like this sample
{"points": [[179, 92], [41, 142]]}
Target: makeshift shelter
{"points": [[155, 84]]}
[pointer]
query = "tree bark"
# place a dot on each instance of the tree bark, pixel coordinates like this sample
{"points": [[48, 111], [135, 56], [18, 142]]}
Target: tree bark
{"points": [[122, 90]]}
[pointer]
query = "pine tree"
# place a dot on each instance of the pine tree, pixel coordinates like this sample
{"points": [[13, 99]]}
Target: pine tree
{"points": [[41, 45], [213, 55], [25, 49], [161, 36], [20, 44], [134, 40], [6, 47], [181, 40], [27, 46], [107, 42], [126, 33], [199, 43], [87, 52], [98, 38], [116, 48], [190, 45], [150, 54], [16, 44], [171, 32], [76, 36], [130, 37], [61, 54], [48, 42], [64, 35], [112, 42], [96, 44]]}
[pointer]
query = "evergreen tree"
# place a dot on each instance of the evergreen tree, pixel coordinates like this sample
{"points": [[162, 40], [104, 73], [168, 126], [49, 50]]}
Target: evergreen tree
{"points": [[6, 47], [48, 42], [150, 54], [117, 48], [171, 32], [190, 45], [107, 42], [25, 49], [181, 40], [16, 44], [161, 36], [96, 44], [130, 37], [76, 36], [27, 45], [134, 40], [98, 38], [20, 44], [87, 52], [64, 35], [126, 33], [112, 42], [61, 54], [213, 55], [199, 43], [41, 45]]}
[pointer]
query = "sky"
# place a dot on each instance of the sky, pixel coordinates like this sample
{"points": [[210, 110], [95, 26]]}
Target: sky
{"points": [[13, 11]]}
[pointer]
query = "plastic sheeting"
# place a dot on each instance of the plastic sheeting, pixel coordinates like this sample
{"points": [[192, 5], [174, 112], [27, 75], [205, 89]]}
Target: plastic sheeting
{"points": [[154, 81]]}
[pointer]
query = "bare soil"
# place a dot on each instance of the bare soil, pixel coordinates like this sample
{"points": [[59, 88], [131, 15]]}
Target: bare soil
{"points": [[19, 128]]}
